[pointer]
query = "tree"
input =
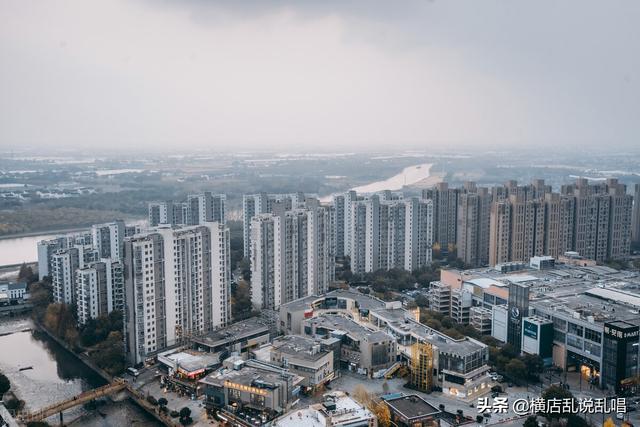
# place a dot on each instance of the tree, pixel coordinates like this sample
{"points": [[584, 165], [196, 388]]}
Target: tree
{"points": [[162, 402], [534, 365], [109, 354], [516, 369], [383, 414], [241, 306], [530, 422], [5, 385], [26, 274], [361, 394], [556, 392], [185, 416]]}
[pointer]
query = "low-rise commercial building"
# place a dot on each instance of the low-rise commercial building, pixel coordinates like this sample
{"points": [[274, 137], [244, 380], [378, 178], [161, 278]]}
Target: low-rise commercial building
{"points": [[13, 290], [306, 357], [337, 410], [240, 338], [248, 387], [362, 350], [347, 302], [412, 411], [459, 365]]}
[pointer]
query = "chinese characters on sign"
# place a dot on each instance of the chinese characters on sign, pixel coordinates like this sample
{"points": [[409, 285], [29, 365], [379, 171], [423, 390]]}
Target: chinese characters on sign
{"points": [[553, 406]]}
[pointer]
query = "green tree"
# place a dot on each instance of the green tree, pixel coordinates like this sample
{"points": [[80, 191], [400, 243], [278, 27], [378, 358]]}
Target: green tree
{"points": [[516, 369], [241, 306], [185, 416], [534, 365], [5, 384], [26, 274], [557, 392], [109, 354]]}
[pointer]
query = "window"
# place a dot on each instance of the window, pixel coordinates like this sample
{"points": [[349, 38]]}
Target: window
{"points": [[575, 329], [574, 342], [592, 335]]}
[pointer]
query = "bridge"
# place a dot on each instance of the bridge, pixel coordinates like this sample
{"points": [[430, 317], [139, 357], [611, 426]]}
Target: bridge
{"points": [[87, 396]]}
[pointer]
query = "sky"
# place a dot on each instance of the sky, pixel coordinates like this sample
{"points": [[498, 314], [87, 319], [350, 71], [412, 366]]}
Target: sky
{"points": [[309, 75]]}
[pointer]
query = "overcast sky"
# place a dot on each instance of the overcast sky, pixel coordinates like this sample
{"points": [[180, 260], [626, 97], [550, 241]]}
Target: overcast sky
{"points": [[305, 75]]}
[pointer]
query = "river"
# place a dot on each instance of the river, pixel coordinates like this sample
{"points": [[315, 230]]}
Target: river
{"points": [[408, 176], [55, 375], [16, 250]]}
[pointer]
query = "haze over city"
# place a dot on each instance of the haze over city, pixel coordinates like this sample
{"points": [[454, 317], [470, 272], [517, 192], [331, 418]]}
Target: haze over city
{"points": [[345, 75], [319, 213]]}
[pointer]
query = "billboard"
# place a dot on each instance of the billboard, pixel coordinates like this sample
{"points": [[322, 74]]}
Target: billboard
{"points": [[530, 330]]}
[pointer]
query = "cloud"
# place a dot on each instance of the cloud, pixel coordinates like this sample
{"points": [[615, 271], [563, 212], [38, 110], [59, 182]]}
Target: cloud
{"points": [[333, 74]]}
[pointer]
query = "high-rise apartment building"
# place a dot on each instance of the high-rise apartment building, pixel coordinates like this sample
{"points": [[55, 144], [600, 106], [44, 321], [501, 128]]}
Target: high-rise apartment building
{"points": [[167, 212], [63, 274], [445, 209], [107, 239], [473, 227], [291, 254], [46, 249], [635, 224], [198, 209], [602, 219], [177, 284], [99, 289], [387, 231], [339, 215], [591, 219], [256, 204]]}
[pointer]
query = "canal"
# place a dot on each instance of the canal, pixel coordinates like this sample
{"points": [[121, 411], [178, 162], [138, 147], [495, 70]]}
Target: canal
{"points": [[42, 373]]}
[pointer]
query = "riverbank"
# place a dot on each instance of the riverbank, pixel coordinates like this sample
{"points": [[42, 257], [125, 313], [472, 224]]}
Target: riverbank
{"points": [[134, 395], [56, 374], [47, 232]]}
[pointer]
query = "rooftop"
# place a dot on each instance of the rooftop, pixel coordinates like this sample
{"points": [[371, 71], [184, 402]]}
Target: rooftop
{"points": [[412, 406], [346, 411], [13, 286], [364, 301], [299, 346], [614, 301], [252, 374], [336, 322], [190, 361], [235, 332], [396, 319]]}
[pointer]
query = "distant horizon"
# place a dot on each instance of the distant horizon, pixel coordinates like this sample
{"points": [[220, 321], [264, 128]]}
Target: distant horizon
{"points": [[308, 76]]}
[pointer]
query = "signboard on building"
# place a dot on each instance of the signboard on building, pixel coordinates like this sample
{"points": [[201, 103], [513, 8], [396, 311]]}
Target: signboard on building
{"points": [[530, 330]]}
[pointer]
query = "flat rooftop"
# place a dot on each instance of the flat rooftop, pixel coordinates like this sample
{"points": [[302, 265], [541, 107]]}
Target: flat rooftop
{"points": [[594, 304], [299, 346], [412, 406], [561, 275], [336, 322], [347, 411], [251, 375], [234, 332], [401, 319], [364, 301], [192, 361]]}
